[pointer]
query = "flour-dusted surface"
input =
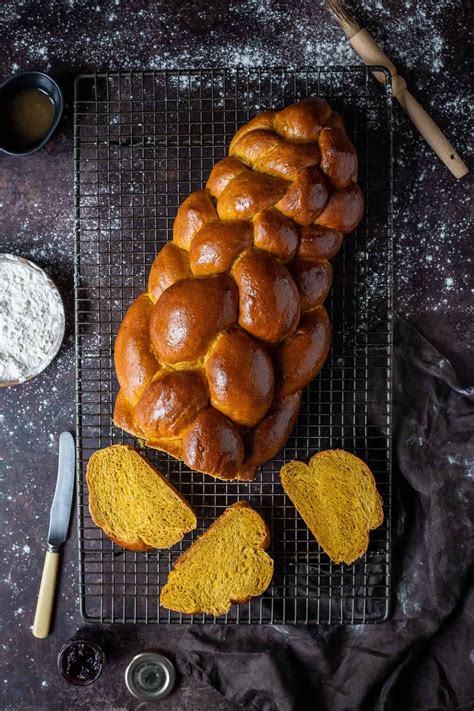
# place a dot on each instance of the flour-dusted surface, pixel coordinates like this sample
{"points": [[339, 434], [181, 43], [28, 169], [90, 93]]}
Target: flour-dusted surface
{"points": [[432, 262], [428, 43], [31, 319]]}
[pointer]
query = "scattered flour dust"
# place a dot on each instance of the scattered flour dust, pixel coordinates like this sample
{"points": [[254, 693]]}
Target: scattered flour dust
{"points": [[30, 318], [113, 32], [430, 270]]}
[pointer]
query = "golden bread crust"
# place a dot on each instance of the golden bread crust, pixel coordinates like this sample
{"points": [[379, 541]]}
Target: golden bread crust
{"points": [[233, 325], [135, 363]]}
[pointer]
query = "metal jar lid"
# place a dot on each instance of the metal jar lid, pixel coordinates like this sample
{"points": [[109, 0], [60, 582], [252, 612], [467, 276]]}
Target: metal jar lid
{"points": [[150, 676]]}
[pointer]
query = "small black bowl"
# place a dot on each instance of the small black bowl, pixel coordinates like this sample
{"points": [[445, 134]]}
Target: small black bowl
{"points": [[22, 82]]}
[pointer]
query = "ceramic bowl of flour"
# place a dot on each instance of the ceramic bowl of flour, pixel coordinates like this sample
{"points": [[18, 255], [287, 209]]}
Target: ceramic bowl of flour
{"points": [[32, 320]]}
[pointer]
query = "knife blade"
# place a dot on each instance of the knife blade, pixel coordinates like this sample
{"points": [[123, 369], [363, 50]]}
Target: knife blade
{"points": [[57, 534], [62, 501]]}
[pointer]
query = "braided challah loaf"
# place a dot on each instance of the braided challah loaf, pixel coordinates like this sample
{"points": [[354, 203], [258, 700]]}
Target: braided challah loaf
{"points": [[212, 359]]}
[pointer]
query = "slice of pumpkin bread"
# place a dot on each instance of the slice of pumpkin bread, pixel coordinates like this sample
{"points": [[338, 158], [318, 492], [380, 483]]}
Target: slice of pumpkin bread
{"points": [[133, 503], [227, 564], [336, 496]]}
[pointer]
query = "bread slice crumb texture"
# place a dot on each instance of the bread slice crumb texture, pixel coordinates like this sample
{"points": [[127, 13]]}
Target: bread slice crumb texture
{"points": [[337, 498], [134, 504], [227, 564]]}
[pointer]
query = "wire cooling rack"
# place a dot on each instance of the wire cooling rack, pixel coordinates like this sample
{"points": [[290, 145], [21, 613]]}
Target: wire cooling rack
{"points": [[143, 142]]}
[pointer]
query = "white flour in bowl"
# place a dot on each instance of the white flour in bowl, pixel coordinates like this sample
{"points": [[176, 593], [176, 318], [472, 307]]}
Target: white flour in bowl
{"points": [[31, 316]]}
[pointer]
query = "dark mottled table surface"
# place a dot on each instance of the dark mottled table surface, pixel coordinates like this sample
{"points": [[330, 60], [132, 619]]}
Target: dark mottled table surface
{"points": [[427, 40]]}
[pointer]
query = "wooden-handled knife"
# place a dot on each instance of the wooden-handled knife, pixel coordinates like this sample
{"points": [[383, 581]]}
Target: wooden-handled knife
{"points": [[57, 534]]}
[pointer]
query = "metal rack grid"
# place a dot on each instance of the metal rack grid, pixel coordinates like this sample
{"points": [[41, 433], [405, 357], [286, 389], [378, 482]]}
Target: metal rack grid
{"points": [[143, 142]]}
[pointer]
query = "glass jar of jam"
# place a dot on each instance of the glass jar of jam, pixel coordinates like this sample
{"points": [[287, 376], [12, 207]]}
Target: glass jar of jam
{"points": [[81, 661]]}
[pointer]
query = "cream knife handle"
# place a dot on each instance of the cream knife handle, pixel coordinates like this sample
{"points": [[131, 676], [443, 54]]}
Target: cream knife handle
{"points": [[370, 53], [44, 606]]}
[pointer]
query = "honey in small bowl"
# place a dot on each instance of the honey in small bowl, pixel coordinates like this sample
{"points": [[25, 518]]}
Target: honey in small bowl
{"points": [[31, 106], [27, 118]]}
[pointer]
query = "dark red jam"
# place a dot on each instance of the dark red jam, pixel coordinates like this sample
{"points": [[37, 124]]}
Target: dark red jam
{"points": [[81, 661]]}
